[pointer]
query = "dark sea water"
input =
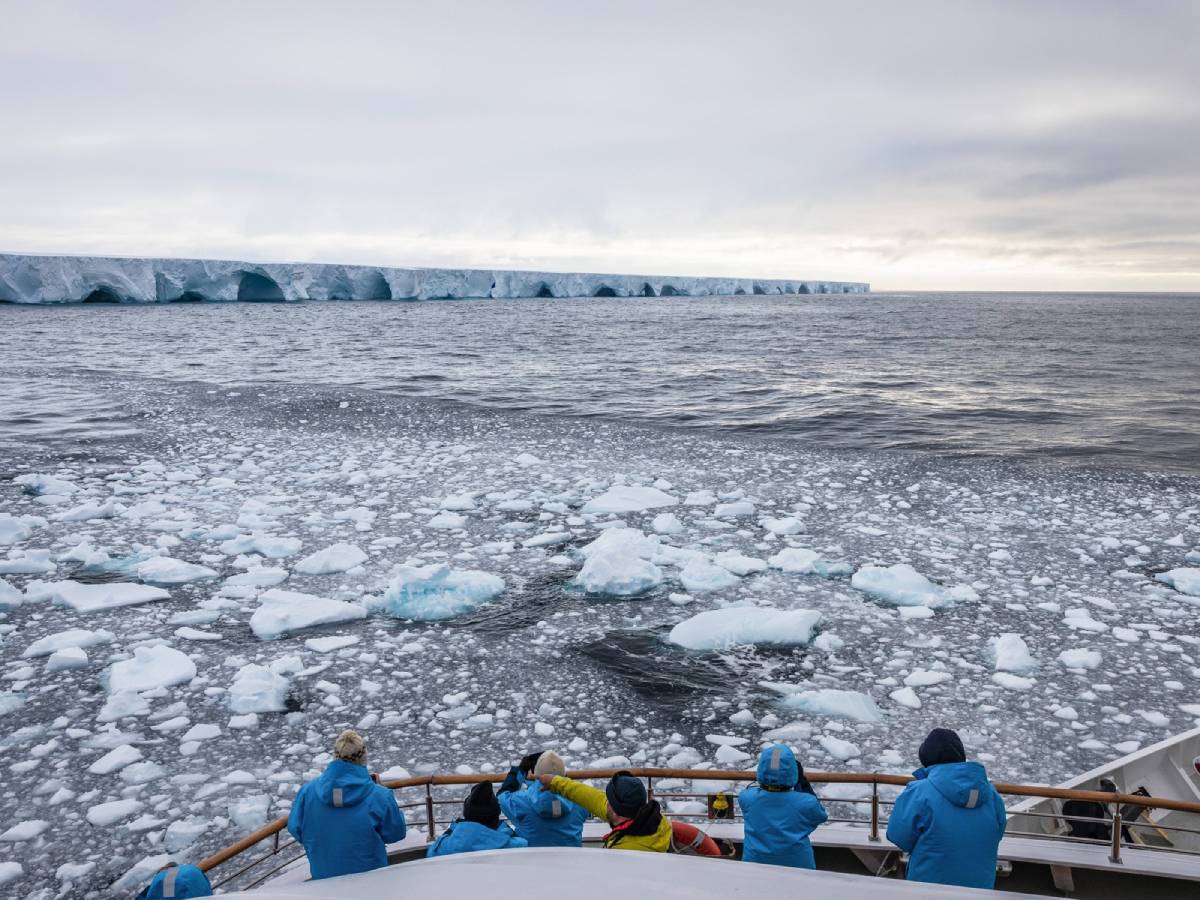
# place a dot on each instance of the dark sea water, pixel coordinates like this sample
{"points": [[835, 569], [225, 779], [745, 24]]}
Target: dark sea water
{"points": [[1034, 457], [1103, 379]]}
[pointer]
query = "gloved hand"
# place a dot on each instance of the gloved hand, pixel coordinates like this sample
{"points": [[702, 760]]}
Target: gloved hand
{"points": [[804, 786], [512, 781]]}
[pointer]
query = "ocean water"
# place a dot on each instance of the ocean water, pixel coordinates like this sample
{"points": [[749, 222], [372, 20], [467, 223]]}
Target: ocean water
{"points": [[1100, 379], [1035, 458]]}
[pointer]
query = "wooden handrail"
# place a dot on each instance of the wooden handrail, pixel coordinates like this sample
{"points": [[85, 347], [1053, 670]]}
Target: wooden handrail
{"points": [[1019, 790]]}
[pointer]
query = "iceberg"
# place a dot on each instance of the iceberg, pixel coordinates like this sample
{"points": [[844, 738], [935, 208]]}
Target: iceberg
{"points": [[92, 279], [433, 593], [615, 573], [721, 629]]}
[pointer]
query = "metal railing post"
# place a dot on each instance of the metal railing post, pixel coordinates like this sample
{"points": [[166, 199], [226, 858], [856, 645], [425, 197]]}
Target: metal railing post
{"points": [[1115, 855], [275, 849], [649, 788], [874, 811], [431, 828]]}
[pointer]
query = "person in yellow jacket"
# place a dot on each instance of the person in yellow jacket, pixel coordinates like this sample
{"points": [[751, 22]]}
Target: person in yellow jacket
{"points": [[637, 822]]}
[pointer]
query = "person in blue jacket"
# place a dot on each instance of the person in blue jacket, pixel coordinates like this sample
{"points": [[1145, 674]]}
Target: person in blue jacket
{"points": [[540, 816], [176, 881], [950, 819], [478, 829], [344, 819], [780, 812]]}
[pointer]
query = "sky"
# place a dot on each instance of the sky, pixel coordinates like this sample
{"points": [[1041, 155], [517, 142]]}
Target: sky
{"points": [[965, 144]]}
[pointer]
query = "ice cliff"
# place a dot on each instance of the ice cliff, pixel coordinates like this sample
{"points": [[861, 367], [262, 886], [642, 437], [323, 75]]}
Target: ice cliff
{"points": [[92, 279]]}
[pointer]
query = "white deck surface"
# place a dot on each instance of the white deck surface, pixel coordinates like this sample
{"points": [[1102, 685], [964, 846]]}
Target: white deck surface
{"points": [[598, 875]]}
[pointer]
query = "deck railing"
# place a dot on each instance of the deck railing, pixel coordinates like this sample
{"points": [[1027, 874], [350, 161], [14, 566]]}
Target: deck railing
{"points": [[422, 812]]}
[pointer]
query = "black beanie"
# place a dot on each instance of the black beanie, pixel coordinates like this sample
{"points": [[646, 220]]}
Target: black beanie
{"points": [[481, 806], [626, 795], [941, 746], [528, 762]]}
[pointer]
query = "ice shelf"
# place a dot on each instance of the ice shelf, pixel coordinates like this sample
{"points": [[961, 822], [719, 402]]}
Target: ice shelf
{"points": [[96, 279]]}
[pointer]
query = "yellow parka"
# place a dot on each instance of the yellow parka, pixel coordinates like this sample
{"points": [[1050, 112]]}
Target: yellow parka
{"points": [[595, 802]]}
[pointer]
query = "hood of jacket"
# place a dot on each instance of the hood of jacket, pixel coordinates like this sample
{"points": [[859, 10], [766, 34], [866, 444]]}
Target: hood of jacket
{"points": [[547, 804], [964, 784], [777, 767], [344, 784]]}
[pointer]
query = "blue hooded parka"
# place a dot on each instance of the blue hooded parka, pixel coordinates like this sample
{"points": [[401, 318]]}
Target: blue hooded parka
{"points": [[345, 820], [950, 821], [779, 818], [179, 882], [466, 837], [542, 817]]}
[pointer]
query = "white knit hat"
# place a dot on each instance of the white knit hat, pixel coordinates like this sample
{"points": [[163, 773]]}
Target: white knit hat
{"points": [[549, 763]]}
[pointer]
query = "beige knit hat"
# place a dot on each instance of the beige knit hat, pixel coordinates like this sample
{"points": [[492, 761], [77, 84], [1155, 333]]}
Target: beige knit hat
{"points": [[351, 746], [549, 763]]}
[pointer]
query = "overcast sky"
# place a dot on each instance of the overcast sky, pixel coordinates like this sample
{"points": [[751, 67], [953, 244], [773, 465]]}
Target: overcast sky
{"points": [[1027, 145]]}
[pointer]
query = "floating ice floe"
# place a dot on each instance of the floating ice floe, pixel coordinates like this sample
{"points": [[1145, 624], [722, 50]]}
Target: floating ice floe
{"points": [[268, 545], [700, 576], [1185, 580], [1081, 658], [117, 758], [86, 598], [667, 523], [721, 629], [617, 574], [262, 576], [782, 526], [1011, 654], [627, 498], [906, 696], [902, 585], [10, 702], [337, 558], [103, 814], [40, 484], [436, 592], [1013, 682], [926, 678], [617, 563], [739, 563], [838, 748], [27, 562], [67, 658], [280, 612], [165, 570], [803, 561], [14, 529], [448, 521], [93, 509], [830, 702], [150, 668], [256, 689], [123, 704], [24, 831], [10, 597]]}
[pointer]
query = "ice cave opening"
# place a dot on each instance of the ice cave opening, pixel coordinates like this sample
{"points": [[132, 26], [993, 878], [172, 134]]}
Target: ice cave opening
{"points": [[258, 287]]}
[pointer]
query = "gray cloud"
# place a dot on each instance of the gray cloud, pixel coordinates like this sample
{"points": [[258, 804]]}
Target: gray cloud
{"points": [[925, 144]]}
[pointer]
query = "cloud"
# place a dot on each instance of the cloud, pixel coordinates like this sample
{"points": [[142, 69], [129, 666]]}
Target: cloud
{"points": [[926, 144]]}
